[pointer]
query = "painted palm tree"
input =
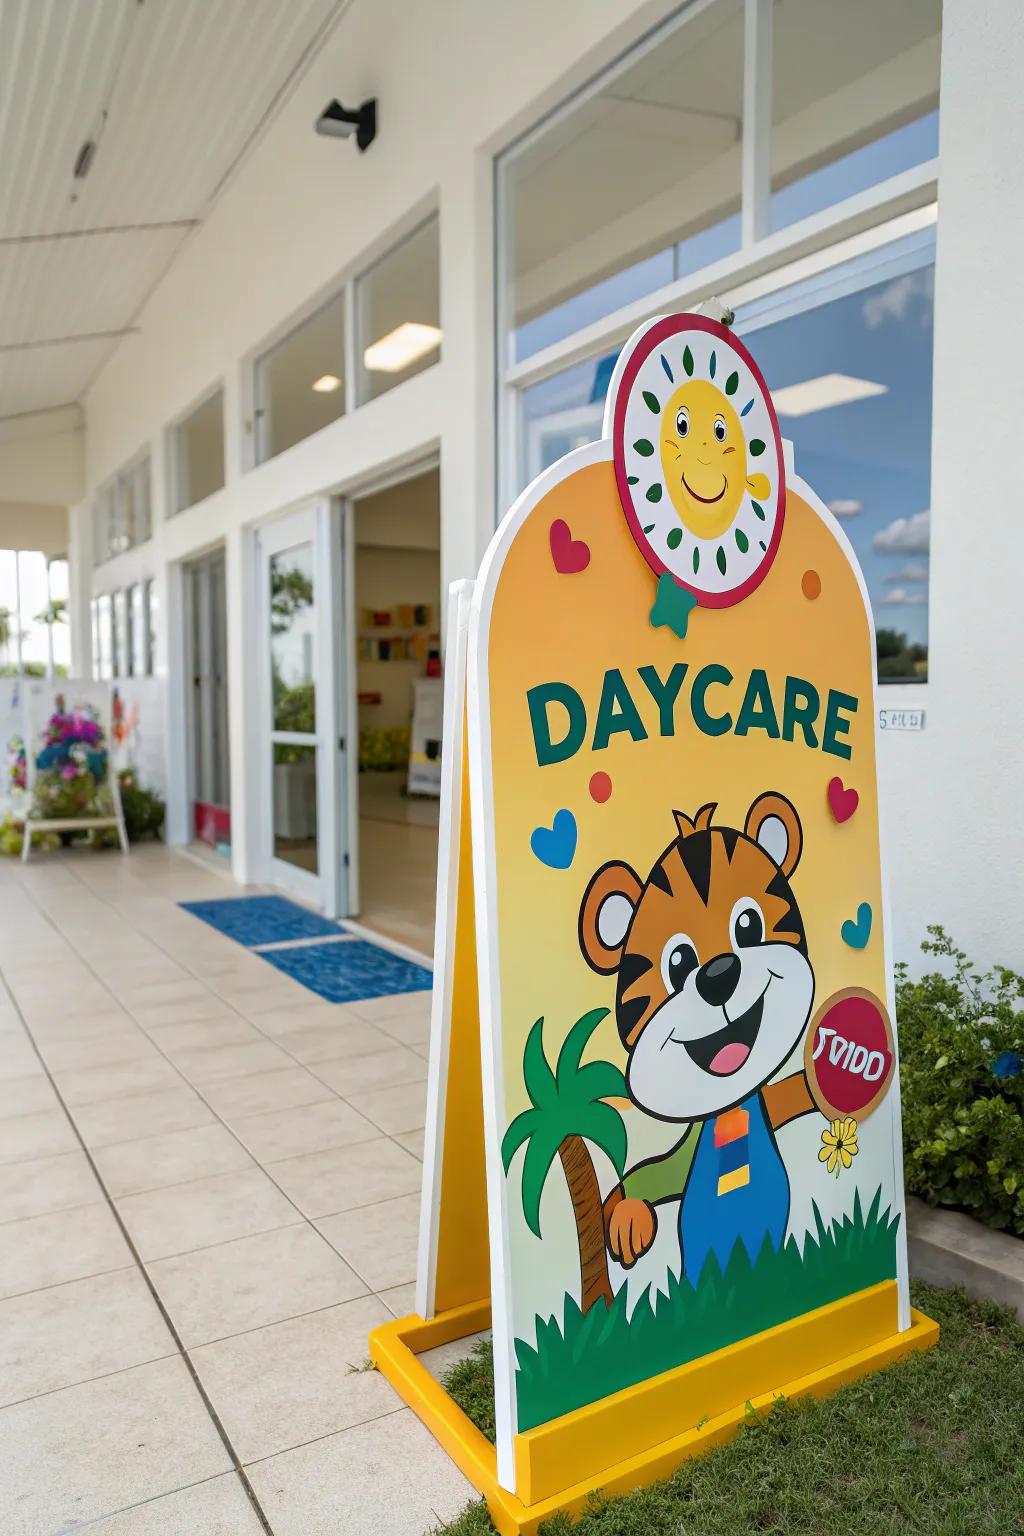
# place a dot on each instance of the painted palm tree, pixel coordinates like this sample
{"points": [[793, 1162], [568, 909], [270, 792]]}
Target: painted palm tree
{"points": [[568, 1111]]}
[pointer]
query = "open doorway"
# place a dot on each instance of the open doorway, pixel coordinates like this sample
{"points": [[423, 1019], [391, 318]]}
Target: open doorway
{"points": [[397, 625]]}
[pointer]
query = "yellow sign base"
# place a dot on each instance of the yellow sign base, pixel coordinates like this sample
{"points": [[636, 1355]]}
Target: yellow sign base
{"points": [[576, 1440]]}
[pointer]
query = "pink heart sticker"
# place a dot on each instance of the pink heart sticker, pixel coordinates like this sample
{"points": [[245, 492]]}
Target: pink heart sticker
{"points": [[842, 801], [570, 555]]}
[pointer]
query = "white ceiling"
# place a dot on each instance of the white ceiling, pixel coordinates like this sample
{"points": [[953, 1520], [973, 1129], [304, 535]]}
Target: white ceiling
{"points": [[173, 92]]}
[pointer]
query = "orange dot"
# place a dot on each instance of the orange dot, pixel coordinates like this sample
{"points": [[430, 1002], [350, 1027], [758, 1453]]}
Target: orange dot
{"points": [[600, 788], [810, 585]]}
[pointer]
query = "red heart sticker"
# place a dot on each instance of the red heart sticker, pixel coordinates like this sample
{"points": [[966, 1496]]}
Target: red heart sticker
{"points": [[570, 555], [849, 1055], [842, 801]]}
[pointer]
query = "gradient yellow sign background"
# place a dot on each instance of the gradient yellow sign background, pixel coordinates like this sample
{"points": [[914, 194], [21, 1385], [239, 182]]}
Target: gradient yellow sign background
{"points": [[573, 628]]}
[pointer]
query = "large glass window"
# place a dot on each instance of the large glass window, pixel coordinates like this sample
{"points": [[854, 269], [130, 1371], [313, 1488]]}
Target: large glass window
{"points": [[122, 512], [121, 643], [104, 660], [661, 138], [849, 364], [299, 384], [855, 95], [152, 615], [197, 454], [638, 183], [139, 624], [398, 308], [848, 358]]}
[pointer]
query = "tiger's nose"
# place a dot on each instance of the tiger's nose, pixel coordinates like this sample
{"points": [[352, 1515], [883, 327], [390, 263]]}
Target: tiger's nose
{"points": [[718, 979]]}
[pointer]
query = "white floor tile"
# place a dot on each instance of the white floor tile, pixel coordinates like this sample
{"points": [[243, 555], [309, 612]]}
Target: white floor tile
{"points": [[296, 1381], [174, 1157], [334, 1486], [206, 1211], [74, 1455], [256, 1280], [63, 1245], [74, 1332]]}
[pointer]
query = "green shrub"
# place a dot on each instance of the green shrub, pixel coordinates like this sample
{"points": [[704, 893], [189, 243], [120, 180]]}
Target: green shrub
{"points": [[143, 808], [961, 1052]]}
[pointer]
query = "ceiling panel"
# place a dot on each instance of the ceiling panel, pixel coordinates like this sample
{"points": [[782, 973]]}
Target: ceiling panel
{"points": [[173, 92], [73, 287], [47, 376], [185, 84]]}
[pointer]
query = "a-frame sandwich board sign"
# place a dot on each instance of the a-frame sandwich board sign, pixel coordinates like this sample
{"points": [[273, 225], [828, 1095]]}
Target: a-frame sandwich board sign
{"points": [[687, 1061]]}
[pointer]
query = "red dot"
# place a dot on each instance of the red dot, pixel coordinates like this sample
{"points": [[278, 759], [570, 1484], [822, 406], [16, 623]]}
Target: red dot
{"points": [[600, 788]]}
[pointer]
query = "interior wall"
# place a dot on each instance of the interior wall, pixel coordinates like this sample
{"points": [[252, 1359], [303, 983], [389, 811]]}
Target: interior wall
{"points": [[398, 535]]}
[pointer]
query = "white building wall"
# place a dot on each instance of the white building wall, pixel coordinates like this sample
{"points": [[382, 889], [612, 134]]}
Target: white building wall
{"points": [[456, 81]]}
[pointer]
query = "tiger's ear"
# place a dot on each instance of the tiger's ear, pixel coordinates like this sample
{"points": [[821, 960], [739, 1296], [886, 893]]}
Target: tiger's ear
{"points": [[774, 825], [606, 912]]}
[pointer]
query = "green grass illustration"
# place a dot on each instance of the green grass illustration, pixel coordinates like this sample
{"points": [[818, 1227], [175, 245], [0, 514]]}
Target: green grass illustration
{"points": [[587, 1355]]}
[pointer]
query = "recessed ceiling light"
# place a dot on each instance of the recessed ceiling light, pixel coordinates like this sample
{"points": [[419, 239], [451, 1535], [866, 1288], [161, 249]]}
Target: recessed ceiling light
{"points": [[327, 383], [845, 506], [822, 393], [401, 347]]}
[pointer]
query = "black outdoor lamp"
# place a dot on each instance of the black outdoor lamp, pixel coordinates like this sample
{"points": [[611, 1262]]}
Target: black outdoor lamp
{"points": [[336, 122]]}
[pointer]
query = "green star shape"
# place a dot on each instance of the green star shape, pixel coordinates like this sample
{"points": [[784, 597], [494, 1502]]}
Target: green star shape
{"points": [[673, 605]]}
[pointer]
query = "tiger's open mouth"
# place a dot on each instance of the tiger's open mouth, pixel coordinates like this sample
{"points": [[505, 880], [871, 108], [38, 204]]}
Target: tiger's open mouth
{"points": [[724, 1052]]}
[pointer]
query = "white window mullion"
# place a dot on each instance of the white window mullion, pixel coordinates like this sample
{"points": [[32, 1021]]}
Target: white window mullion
{"points": [[756, 177]]}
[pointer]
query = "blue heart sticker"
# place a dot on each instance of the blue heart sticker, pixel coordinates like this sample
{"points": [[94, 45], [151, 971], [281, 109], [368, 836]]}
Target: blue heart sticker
{"points": [[856, 933], [555, 846]]}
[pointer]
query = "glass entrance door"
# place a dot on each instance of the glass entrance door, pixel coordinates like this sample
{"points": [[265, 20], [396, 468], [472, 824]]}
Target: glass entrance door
{"points": [[208, 701], [303, 831]]}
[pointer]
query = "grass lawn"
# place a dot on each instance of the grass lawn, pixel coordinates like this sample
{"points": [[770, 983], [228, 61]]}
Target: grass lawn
{"points": [[934, 1445]]}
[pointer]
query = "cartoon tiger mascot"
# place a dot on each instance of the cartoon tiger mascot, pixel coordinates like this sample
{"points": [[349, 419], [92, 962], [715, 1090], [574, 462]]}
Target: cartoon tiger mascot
{"points": [[714, 991]]}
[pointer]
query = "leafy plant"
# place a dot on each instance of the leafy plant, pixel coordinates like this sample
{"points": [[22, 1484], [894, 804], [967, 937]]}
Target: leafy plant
{"points": [[961, 1059], [585, 1356], [143, 808], [568, 1110]]}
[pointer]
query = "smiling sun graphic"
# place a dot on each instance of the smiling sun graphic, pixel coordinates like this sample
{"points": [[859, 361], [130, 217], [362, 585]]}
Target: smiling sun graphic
{"points": [[698, 458]]}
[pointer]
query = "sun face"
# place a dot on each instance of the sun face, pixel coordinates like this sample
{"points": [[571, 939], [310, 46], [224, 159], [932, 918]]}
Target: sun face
{"points": [[704, 459], [698, 458]]}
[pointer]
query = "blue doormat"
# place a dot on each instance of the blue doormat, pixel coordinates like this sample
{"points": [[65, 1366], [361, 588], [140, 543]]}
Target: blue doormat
{"points": [[349, 972], [253, 920]]}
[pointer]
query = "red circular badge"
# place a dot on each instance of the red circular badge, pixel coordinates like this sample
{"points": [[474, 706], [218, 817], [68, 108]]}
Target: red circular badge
{"points": [[849, 1055]]}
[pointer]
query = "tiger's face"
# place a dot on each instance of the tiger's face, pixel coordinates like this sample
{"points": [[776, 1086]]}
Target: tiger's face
{"points": [[714, 984]]}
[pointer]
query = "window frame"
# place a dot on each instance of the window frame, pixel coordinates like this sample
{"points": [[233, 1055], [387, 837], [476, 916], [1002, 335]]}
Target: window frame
{"points": [[138, 471], [764, 263], [173, 443], [259, 415], [342, 285], [357, 307]]}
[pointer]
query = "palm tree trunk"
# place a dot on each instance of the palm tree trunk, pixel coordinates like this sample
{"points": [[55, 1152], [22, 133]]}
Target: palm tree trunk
{"points": [[585, 1192]]}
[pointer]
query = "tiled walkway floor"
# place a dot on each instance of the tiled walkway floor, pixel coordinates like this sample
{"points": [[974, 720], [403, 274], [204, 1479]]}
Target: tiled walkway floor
{"points": [[208, 1195]]}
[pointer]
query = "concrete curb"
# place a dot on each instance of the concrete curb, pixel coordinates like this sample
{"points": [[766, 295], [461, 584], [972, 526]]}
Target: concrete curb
{"points": [[949, 1249]]}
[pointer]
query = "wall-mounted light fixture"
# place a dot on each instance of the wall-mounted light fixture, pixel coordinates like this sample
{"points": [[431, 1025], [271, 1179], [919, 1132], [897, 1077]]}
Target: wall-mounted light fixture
{"points": [[337, 122]]}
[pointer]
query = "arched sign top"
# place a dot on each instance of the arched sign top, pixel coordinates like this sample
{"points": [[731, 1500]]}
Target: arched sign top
{"points": [[698, 458]]}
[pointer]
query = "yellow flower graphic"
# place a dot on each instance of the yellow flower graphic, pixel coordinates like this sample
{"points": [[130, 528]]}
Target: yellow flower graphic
{"points": [[839, 1145]]}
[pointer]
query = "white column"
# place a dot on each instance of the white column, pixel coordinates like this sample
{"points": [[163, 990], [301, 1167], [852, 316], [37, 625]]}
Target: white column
{"points": [[467, 319], [969, 820]]}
